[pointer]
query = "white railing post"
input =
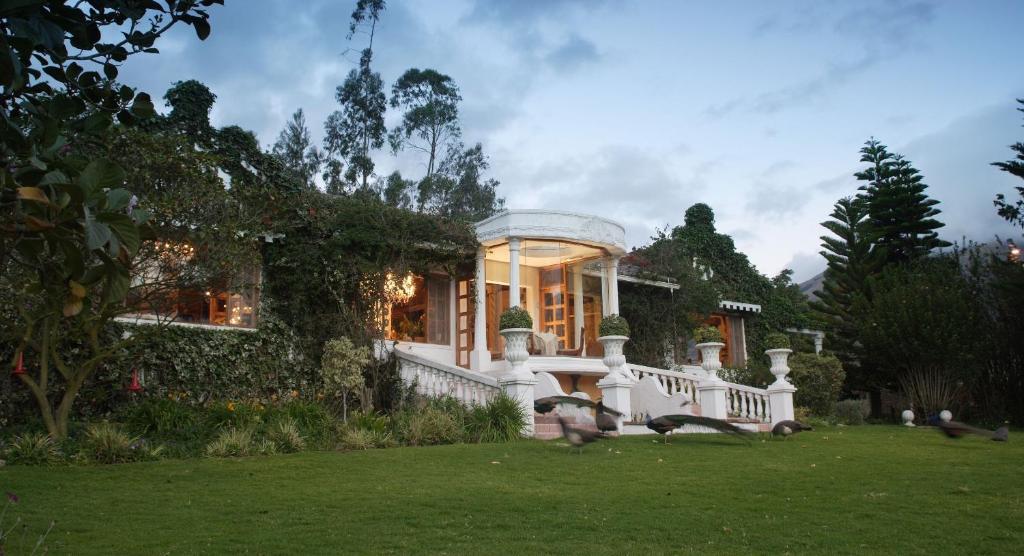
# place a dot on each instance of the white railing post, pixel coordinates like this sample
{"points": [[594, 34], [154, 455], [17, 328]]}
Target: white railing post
{"points": [[520, 388], [712, 390], [780, 392]]}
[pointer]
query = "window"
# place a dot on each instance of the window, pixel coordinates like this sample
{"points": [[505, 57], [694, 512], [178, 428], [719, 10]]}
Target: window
{"points": [[425, 315]]}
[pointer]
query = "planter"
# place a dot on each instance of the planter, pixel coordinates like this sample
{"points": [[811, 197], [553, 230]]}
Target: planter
{"points": [[614, 359], [516, 354], [709, 359], [780, 365]]}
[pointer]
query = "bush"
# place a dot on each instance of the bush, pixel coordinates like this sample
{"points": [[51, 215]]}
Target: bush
{"points": [[501, 419], [819, 379], [613, 325], [314, 420], [163, 418], [853, 412], [777, 340], [286, 437], [234, 415], [705, 334], [515, 317], [34, 448], [430, 425], [109, 443], [232, 443]]}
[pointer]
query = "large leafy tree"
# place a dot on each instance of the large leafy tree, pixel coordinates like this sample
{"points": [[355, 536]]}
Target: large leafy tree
{"points": [[430, 120], [901, 216], [459, 190], [294, 147], [1013, 211], [358, 127], [68, 225]]}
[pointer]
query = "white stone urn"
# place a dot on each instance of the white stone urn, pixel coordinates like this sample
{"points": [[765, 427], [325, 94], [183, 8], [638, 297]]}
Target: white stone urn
{"points": [[780, 364], [709, 359], [515, 350], [908, 418], [614, 359], [946, 415]]}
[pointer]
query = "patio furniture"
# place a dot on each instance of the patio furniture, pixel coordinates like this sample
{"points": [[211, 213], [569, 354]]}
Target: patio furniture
{"points": [[579, 349], [548, 344]]}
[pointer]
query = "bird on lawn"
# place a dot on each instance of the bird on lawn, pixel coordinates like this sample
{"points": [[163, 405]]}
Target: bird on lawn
{"points": [[788, 427], [606, 418], [665, 424], [956, 429], [579, 437], [546, 405]]}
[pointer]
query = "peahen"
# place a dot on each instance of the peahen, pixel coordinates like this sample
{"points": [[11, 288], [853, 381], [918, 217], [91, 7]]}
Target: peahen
{"points": [[665, 424], [788, 427], [546, 405], [579, 437], [606, 418], [955, 429]]}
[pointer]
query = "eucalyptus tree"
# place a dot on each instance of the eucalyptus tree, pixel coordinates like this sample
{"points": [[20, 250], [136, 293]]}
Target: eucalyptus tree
{"points": [[358, 127], [459, 189], [68, 225], [430, 120]]}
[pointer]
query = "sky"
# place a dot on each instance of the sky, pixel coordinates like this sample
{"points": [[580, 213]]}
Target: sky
{"points": [[635, 110]]}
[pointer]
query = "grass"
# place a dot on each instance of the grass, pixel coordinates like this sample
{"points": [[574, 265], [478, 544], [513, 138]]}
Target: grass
{"points": [[840, 490]]}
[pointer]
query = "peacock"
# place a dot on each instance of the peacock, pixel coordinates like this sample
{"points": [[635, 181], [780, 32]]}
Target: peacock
{"points": [[665, 424]]}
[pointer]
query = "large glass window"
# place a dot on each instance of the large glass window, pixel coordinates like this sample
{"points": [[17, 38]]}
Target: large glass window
{"points": [[424, 313]]}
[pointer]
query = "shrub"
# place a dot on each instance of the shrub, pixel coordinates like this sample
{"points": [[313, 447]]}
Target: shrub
{"points": [[613, 325], [34, 448], [853, 412], [515, 317], [231, 443], [429, 425], [501, 419], [265, 447], [164, 418], [360, 439], [342, 367], [314, 420], [286, 437], [705, 334], [109, 443], [777, 340], [819, 379], [234, 415]]}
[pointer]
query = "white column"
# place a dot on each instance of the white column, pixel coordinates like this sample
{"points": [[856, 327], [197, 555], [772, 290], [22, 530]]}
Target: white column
{"points": [[480, 358], [613, 285], [577, 304], [513, 272], [604, 288], [780, 397]]}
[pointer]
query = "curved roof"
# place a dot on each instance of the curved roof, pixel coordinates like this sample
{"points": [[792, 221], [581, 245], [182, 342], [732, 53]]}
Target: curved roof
{"points": [[553, 225]]}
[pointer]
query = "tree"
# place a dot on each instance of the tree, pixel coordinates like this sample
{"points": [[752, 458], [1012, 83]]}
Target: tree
{"points": [[67, 224], [850, 262], [397, 191], [900, 214], [1013, 212], [190, 103], [358, 127], [459, 190], [431, 118], [295, 149], [342, 367]]}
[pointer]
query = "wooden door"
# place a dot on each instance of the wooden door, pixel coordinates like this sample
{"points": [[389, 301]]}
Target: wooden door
{"points": [[554, 304], [464, 316]]}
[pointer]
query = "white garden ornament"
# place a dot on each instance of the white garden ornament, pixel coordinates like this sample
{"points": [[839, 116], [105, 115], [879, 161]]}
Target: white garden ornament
{"points": [[908, 418], [780, 364], [615, 359], [946, 415], [710, 360], [516, 352]]}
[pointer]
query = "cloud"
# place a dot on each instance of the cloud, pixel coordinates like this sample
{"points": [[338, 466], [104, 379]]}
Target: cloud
{"points": [[805, 266], [573, 53]]}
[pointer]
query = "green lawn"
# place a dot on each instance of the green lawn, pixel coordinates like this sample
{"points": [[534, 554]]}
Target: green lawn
{"points": [[842, 490]]}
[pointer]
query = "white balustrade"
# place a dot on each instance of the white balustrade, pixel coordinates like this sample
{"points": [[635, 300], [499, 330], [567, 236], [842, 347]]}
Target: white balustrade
{"points": [[742, 401], [436, 380]]}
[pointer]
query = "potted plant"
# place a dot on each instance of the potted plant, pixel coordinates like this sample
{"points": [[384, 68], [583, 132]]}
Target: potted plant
{"points": [[516, 326], [709, 342], [613, 333], [778, 351]]}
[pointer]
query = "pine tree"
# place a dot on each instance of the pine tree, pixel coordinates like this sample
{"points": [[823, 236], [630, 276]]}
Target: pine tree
{"points": [[900, 214], [295, 149], [848, 252], [1012, 211]]}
